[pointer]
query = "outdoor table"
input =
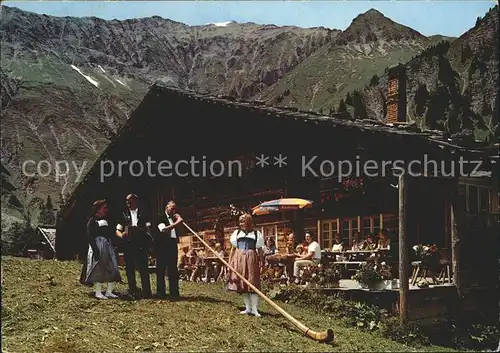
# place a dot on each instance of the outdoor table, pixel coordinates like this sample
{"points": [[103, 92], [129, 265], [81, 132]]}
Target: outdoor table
{"points": [[331, 256], [209, 262], [282, 260]]}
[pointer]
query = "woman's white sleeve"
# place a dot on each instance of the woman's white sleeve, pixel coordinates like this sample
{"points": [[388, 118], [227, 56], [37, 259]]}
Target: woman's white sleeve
{"points": [[260, 240], [233, 238]]}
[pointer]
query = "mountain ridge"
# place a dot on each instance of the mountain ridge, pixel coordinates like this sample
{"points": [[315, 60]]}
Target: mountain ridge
{"points": [[69, 84], [452, 86]]}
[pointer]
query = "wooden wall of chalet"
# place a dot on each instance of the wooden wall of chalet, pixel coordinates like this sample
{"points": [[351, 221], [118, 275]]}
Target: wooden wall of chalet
{"points": [[478, 231], [172, 126]]}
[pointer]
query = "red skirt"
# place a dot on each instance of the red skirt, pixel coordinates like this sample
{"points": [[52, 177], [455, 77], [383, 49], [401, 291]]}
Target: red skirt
{"points": [[247, 264]]}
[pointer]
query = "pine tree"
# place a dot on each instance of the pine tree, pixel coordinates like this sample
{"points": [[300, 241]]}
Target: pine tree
{"points": [[374, 81], [421, 98], [496, 118], [17, 237], [466, 113], [47, 213], [485, 108], [6, 185], [348, 99], [48, 204], [478, 22], [342, 106], [452, 121], [495, 113], [60, 201], [8, 189], [359, 106]]}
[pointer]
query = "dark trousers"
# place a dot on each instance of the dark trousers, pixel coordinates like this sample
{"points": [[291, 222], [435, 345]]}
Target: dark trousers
{"points": [[136, 257], [166, 259]]}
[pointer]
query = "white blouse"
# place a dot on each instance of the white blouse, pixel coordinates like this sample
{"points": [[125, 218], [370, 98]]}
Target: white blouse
{"points": [[337, 247], [237, 234]]}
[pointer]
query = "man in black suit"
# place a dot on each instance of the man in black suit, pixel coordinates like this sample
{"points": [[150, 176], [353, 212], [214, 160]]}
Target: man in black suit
{"points": [[134, 228], [166, 251]]}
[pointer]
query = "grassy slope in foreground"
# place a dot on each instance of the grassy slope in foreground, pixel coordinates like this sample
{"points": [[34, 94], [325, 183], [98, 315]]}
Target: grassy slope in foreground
{"points": [[40, 315]]}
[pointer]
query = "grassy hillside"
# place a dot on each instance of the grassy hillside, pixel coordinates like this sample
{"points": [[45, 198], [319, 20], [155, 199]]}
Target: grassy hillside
{"points": [[45, 309], [320, 81]]}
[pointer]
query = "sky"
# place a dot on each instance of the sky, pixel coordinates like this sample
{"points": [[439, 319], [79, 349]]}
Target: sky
{"points": [[448, 17]]}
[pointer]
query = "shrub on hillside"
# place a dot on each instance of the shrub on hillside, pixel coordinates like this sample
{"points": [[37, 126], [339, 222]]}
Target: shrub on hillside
{"points": [[410, 334], [372, 318], [352, 313], [17, 237]]}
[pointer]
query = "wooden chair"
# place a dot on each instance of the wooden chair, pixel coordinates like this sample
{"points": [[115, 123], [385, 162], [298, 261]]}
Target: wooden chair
{"points": [[223, 273], [445, 262], [416, 271], [421, 271]]}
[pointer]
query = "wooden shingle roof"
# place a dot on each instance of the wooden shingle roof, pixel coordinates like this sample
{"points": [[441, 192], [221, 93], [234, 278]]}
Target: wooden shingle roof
{"points": [[449, 144]]}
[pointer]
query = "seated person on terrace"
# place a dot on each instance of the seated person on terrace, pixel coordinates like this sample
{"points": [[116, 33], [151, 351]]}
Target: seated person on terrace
{"points": [[214, 268], [270, 252], [270, 247], [357, 243], [290, 244], [183, 264], [183, 258], [289, 255], [369, 244], [338, 245], [311, 258], [384, 243], [218, 248], [299, 249], [196, 263]]}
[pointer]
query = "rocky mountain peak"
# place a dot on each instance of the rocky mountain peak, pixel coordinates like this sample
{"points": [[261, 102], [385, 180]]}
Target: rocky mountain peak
{"points": [[371, 14], [373, 26]]}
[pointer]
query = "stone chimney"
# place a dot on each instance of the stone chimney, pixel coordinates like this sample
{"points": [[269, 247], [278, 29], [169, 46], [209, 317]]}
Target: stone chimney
{"points": [[396, 95]]}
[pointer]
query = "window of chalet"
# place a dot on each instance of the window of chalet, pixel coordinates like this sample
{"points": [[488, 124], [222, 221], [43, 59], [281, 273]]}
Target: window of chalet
{"points": [[367, 226], [376, 225], [477, 199], [196, 243], [349, 227], [371, 225], [329, 228], [270, 231], [346, 227], [208, 236], [391, 222], [484, 199]]}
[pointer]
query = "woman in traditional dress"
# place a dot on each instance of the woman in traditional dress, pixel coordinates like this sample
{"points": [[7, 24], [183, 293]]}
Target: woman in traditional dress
{"points": [[246, 257], [100, 265]]}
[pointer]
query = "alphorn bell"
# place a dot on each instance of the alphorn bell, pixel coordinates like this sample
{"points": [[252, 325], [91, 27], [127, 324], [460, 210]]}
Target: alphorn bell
{"points": [[324, 336]]}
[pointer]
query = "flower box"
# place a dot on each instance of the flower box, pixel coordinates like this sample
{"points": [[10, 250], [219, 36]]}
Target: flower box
{"points": [[374, 276], [322, 277], [379, 285], [428, 255]]}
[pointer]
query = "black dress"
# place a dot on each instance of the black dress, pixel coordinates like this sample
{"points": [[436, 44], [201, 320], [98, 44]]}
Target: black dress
{"points": [[105, 268]]}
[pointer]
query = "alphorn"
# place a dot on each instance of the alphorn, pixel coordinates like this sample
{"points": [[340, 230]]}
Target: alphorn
{"points": [[324, 336]]}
